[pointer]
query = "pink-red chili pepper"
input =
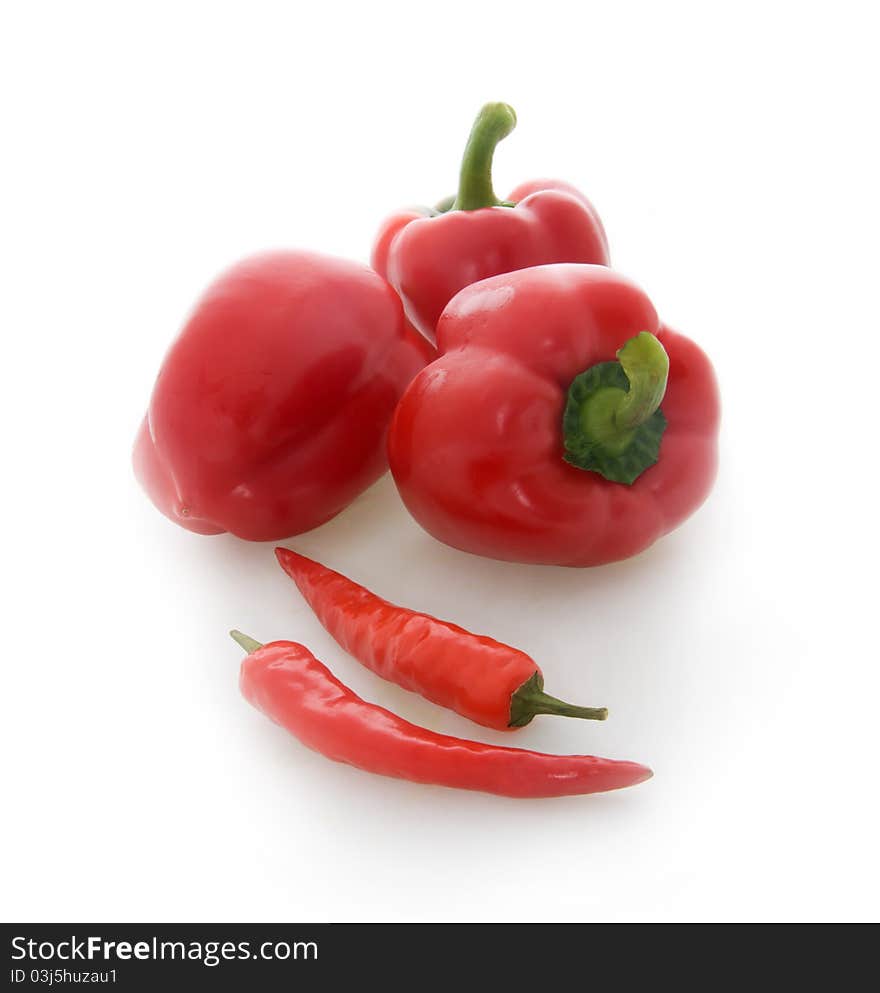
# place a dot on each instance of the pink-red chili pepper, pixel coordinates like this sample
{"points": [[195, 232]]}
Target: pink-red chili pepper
{"points": [[476, 676], [290, 686]]}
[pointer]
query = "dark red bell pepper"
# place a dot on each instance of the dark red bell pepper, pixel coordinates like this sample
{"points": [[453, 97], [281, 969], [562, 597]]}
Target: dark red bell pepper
{"points": [[429, 255], [562, 423], [270, 411]]}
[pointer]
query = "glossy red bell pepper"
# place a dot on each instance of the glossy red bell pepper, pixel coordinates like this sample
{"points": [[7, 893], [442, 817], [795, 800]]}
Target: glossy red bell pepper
{"points": [[562, 422], [271, 409], [428, 255]]}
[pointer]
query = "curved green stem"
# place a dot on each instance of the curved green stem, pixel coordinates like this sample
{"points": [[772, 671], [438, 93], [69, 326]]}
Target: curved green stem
{"points": [[646, 364], [612, 422], [530, 700], [494, 122], [247, 643]]}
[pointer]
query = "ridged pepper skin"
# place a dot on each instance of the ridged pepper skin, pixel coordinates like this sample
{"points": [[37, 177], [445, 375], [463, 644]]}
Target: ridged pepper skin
{"points": [[428, 259], [428, 255], [482, 679], [476, 445], [271, 409], [291, 687]]}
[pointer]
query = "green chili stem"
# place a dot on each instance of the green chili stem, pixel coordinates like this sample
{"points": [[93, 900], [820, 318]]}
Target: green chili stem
{"points": [[247, 643], [530, 700]]}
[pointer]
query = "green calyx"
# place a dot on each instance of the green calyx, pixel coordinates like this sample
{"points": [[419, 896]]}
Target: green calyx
{"points": [[494, 123], [247, 643], [612, 422], [530, 700]]}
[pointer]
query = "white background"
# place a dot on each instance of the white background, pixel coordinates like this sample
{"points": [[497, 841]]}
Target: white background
{"points": [[732, 156]]}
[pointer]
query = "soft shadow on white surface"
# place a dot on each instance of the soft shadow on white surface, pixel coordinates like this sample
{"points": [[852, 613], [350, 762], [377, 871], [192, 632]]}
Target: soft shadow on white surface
{"points": [[639, 636], [603, 636], [736, 656]]}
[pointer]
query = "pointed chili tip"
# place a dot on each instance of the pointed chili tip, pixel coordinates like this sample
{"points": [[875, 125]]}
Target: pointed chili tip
{"points": [[288, 555], [289, 560]]}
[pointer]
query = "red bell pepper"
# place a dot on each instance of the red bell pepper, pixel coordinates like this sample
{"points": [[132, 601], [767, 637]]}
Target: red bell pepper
{"points": [[562, 422], [428, 255], [271, 409]]}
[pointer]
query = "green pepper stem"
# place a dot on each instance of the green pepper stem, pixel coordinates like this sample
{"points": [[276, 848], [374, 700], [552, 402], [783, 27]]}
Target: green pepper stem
{"points": [[494, 122], [247, 643], [646, 364], [530, 700], [612, 422]]}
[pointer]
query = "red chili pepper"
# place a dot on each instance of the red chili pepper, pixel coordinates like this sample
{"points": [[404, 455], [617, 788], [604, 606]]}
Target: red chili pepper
{"points": [[290, 686], [429, 255], [562, 422], [271, 409], [478, 677]]}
